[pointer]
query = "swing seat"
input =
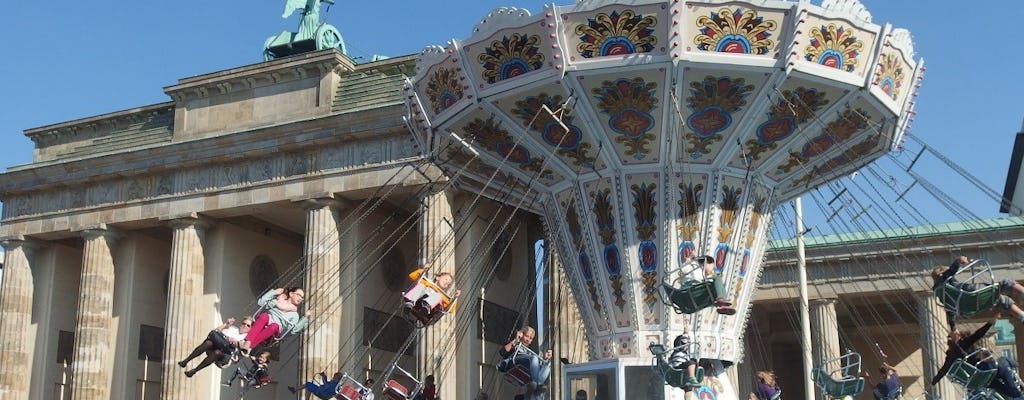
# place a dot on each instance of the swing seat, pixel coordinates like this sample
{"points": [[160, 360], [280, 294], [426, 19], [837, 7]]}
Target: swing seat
{"points": [[673, 377], [965, 303], [424, 301], [691, 297], [969, 376], [846, 386], [395, 391], [347, 392], [847, 368], [678, 377], [518, 375], [986, 394]]}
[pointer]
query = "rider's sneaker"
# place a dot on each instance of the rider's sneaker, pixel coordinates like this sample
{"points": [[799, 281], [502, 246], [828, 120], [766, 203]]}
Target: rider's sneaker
{"points": [[726, 310]]}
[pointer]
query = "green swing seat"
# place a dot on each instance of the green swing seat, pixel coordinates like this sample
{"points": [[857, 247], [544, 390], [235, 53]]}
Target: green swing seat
{"points": [[984, 394], [846, 386], [847, 368], [691, 297], [967, 303], [673, 377], [969, 376], [964, 303]]}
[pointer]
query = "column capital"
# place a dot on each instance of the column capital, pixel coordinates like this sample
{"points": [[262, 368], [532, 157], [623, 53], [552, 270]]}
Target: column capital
{"points": [[91, 232], [823, 301], [314, 201], [10, 243], [185, 220]]}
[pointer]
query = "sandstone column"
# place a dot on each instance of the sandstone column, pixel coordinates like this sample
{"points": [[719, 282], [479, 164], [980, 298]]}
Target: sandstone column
{"points": [[437, 242], [321, 341], [15, 319], [824, 333], [185, 288], [94, 350], [934, 331]]}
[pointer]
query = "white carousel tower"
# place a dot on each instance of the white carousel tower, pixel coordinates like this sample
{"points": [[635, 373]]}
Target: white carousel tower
{"points": [[649, 131]]}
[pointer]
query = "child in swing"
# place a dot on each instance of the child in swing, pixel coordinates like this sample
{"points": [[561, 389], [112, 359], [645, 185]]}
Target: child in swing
{"points": [[681, 358], [256, 376], [440, 283]]}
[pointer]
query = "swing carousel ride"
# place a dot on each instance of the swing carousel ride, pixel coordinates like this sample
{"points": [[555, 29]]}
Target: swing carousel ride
{"points": [[650, 132]]}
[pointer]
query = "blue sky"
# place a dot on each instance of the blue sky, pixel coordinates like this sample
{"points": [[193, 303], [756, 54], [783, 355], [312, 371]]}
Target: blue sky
{"points": [[67, 60]]}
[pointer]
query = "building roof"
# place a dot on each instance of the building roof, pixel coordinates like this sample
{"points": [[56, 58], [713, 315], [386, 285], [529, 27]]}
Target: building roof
{"points": [[981, 225]]}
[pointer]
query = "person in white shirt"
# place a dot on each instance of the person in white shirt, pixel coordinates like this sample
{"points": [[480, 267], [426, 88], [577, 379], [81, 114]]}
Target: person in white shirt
{"points": [[218, 346], [367, 392]]}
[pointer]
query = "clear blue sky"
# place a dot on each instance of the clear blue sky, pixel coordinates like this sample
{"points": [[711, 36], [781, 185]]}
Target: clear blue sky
{"points": [[65, 60]]}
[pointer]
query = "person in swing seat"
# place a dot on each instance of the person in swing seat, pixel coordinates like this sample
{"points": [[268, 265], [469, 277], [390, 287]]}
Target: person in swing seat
{"points": [[517, 352], [279, 318], [681, 359], [722, 305], [220, 343], [440, 284], [942, 275]]}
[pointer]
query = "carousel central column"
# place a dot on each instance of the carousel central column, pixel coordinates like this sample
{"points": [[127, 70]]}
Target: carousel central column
{"points": [[934, 331], [185, 289], [825, 328], [437, 241], [320, 341], [15, 319], [93, 349]]}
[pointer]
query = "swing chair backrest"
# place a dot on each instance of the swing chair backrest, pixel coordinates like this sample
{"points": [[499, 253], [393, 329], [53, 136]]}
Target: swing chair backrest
{"points": [[425, 287], [967, 303], [838, 377], [969, 375], [673, 377], [691, 297], [349, 388], [395, 390], [426, 291], [518, 375]]}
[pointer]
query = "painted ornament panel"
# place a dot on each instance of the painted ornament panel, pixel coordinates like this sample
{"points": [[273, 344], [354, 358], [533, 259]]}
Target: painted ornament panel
{"points": [[644, 199], [630, 112], [509, 54], [490, 133], [794, 107], [443, 86], [836, 44], [616, 31], [894, 74], [756, 217], [712, 106], [734, 30], [690, 194], [579, 256], [570, 143], [846, 125], [606, 221]]}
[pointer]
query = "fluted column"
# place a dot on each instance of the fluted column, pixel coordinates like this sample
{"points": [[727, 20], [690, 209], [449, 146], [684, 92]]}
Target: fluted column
{"points": [[824, 332], [934, 331], [437, 344], [15, 319], [321, 342], [93, 351], [185, 289]]}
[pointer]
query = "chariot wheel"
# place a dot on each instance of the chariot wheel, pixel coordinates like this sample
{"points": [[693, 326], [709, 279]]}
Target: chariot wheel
{"points": [[328, 37]]}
